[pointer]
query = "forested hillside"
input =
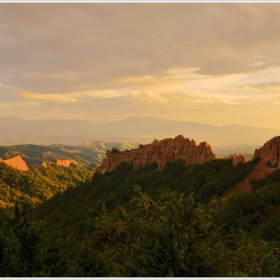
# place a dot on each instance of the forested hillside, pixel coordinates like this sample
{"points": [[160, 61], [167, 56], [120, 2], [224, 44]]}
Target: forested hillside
{"points": [[36, 185], [139, 222]]}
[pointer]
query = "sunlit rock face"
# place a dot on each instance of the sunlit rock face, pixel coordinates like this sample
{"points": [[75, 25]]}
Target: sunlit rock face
{"points": [[270, 151], [66, 162], [46, 164], [16, 162], [168, 149], [237, 159]]}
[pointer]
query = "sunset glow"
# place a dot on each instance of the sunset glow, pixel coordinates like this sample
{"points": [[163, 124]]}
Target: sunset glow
{"points": [[211, 63]]}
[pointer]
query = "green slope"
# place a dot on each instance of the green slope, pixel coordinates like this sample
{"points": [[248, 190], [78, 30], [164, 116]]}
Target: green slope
{"points": [[116, 187], [38, 185], [143, 222]]}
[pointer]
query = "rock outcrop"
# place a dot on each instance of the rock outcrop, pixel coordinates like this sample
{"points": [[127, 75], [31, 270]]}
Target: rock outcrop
{"points": [[237, 159], [270, 151], [16, 162], [37, 166], [168, 149], [259, 171], [65, 162], [46, 164]]}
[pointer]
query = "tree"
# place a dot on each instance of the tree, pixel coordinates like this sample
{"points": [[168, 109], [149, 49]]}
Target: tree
{"points": [[115, 150], [170, 236], [21, 253]]}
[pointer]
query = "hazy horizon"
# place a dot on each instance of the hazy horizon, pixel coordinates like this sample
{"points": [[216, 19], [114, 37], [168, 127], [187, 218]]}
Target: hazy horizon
{"points": [[129, 117], [211, 63]]}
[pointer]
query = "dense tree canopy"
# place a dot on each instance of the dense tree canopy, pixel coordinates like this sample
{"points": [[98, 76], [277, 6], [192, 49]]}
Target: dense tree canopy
{"points": [[38, 185], [139, 222]]}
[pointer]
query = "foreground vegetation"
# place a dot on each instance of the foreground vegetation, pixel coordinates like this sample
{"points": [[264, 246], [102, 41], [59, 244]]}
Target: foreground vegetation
{"points": [[143, 222]]}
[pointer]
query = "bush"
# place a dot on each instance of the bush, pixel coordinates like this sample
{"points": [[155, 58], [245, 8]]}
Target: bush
{"points": [[115, 150]]}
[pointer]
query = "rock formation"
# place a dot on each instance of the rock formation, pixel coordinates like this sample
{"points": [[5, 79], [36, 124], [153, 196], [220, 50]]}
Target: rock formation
{"points": [[168, 149], [46, 164], [36, 166], [237, 159], [259, 171], [16, 162], [270, 151], [65, 162]]}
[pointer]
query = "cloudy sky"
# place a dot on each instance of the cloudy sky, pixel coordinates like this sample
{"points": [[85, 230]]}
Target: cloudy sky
{"points": [[210, 63]]}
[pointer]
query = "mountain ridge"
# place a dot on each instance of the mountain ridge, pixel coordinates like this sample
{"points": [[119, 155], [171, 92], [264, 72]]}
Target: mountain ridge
{"points": [[135, 129]]}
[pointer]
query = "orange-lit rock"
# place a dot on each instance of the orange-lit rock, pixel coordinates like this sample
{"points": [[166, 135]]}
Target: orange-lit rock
{"points": [[65, 162], [168, 149], [46, 164], [36, 166], [270, 151], [237, 159], [16, 162]]}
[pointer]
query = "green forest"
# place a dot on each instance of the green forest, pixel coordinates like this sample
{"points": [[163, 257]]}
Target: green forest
{"points": [[141, 222]]}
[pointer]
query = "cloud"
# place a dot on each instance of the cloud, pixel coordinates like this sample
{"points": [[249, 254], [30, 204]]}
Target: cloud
{"points": [[258, 63], [202, 61], [148, 96], [183, 72], [54, 98], [102, 43], [269, 87]]}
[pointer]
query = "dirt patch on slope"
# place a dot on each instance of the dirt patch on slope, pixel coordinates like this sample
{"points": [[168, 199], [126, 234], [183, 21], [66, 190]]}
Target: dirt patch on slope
{"points": [[259, 171]]}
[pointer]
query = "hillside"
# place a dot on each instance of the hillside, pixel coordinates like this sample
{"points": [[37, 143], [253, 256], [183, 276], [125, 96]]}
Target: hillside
{"points": [[141, 220], [37, 185], [162, 213], [214, 177]]}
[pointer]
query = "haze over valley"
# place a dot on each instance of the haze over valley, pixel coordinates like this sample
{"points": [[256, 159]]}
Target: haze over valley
{"points": [[225, 140]]}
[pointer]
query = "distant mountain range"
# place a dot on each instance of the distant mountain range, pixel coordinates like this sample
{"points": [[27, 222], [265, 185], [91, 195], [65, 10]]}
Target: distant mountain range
{"points": [[133, 129]]}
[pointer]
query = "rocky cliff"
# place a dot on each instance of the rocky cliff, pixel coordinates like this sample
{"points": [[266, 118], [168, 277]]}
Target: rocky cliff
{"points": [[65, 162], [16, 162], [237, 159], [46, 164], [168, 149], [270, 151]]}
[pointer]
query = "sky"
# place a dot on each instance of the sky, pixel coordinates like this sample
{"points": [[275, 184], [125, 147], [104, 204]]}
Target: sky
{"points": [[214, 63]]}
